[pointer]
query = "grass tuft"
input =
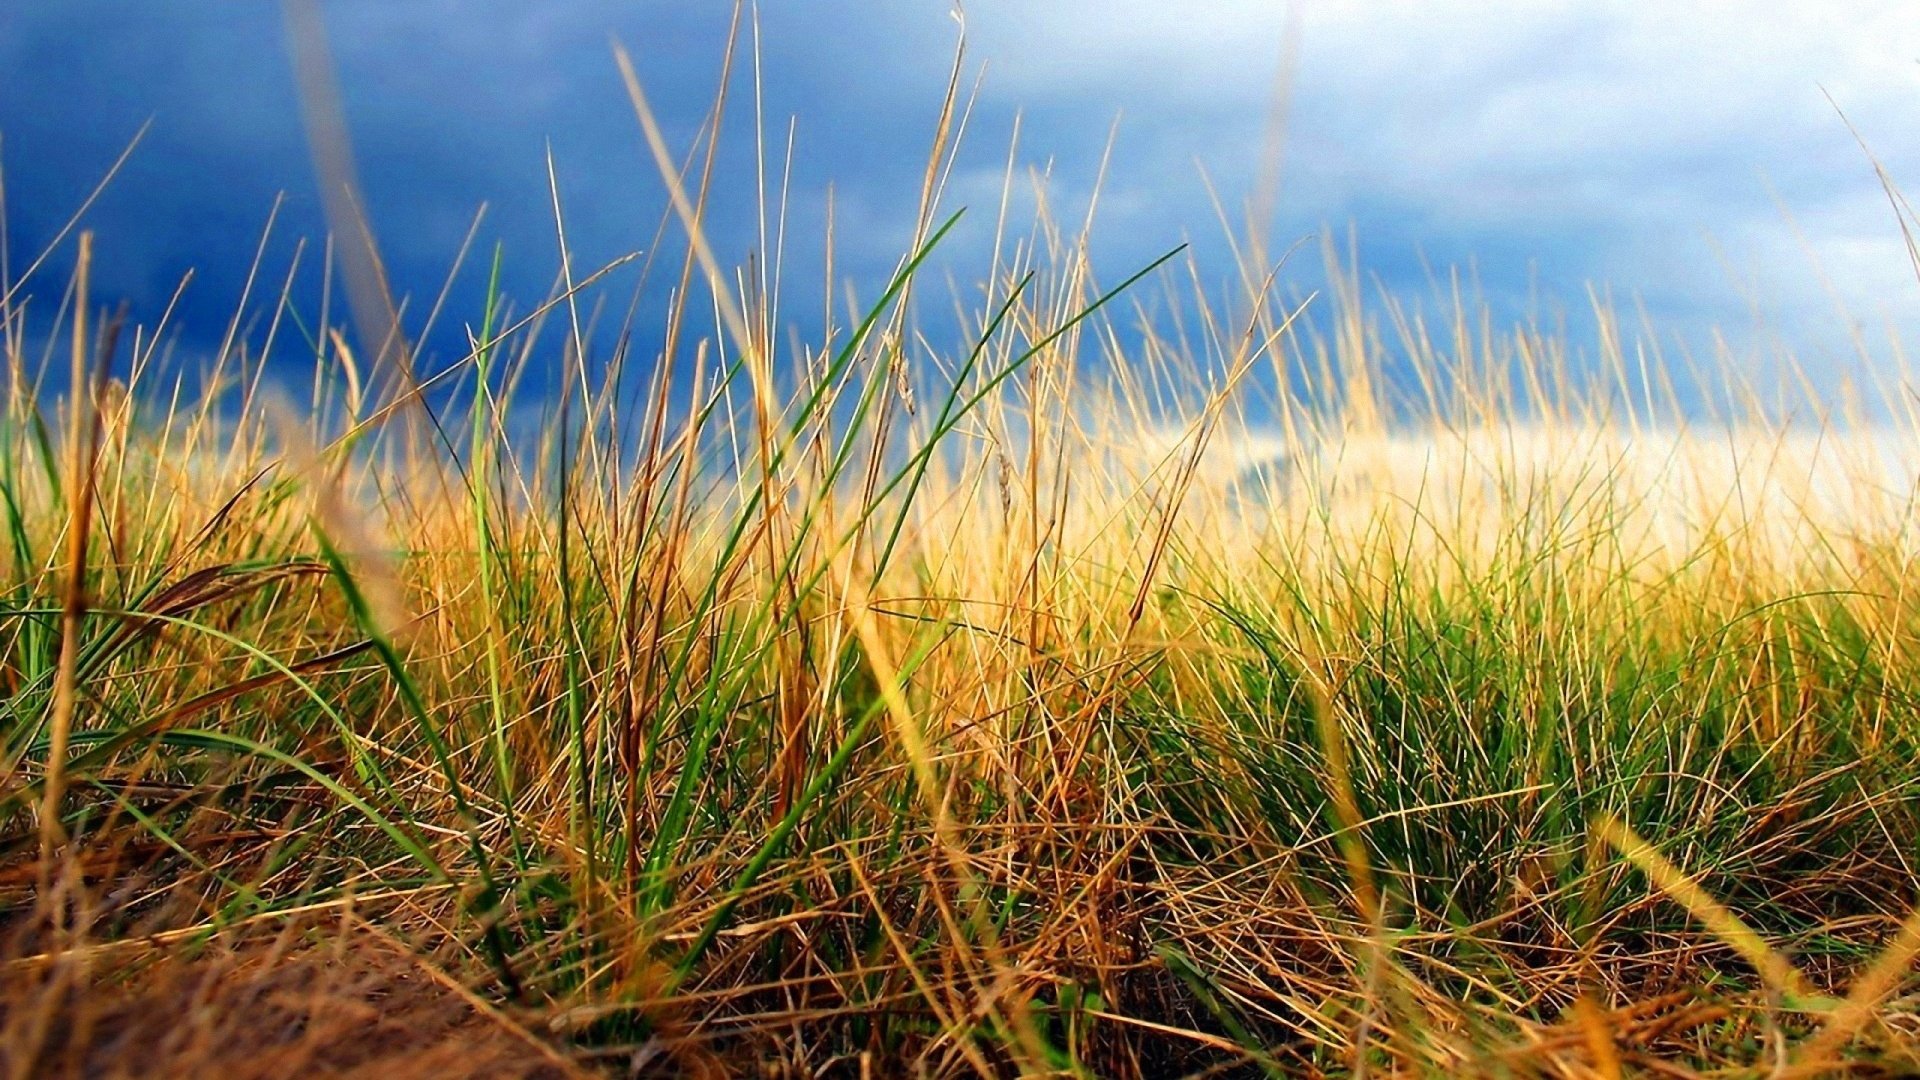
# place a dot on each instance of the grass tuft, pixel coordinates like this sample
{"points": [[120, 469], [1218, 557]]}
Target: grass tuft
{"points": [[1155, 682]]}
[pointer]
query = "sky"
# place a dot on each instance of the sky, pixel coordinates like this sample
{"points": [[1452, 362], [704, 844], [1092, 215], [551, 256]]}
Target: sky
{"points": [[1693, 157]]}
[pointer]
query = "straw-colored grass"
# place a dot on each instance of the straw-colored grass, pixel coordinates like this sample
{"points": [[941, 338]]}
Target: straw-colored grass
{"points": [[1077, 693]]}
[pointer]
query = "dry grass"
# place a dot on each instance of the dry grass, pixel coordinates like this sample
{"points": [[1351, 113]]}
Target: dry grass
{"points": [[1094, 696], [345, 1004]]}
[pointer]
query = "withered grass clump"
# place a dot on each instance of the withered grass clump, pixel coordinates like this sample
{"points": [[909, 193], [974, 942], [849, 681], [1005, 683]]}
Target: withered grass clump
{"points": [[1125, 683], [351, 1005]]}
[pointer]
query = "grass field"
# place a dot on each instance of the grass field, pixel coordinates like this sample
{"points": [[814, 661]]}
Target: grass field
{"points": [[1083, 695]]}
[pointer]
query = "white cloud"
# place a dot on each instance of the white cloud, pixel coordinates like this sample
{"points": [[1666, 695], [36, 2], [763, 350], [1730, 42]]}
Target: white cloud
{"points": [[1649, 146], [1630, 144]]}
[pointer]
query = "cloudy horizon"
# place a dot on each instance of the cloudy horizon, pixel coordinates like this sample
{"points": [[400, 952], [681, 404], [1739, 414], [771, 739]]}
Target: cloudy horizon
{"points": [[1690, 160]]}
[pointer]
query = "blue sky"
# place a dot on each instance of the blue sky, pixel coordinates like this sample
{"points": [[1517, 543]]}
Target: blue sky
{"points": [[1682, 153]]}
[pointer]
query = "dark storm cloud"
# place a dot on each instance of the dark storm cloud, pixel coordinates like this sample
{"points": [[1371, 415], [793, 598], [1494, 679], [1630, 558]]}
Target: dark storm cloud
{"points": [[1552, 145], [450, 105]]}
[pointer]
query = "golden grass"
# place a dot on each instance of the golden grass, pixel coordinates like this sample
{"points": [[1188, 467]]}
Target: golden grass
{"points": [[1037, 703]]}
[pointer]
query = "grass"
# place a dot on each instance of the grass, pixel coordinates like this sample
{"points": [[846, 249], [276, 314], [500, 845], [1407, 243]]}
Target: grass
{"points": [[1093, 696]]}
